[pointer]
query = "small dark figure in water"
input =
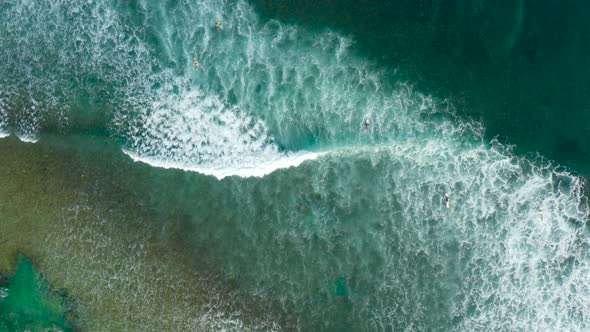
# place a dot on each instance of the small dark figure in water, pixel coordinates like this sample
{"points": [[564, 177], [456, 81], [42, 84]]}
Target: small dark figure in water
{"points": [[218, 25], [3, 280], [196, 63], [366, 124], [447, 200]]}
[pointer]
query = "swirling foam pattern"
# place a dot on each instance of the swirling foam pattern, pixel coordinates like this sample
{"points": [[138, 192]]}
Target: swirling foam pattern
{"points": [[357, 237]]}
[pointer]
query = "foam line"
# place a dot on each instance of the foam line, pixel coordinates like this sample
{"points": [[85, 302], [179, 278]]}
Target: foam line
{"points": [[245, 171], [27, 139]]}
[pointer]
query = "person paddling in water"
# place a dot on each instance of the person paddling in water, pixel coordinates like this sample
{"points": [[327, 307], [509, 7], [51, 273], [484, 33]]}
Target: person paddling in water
{"points": [[448, 200], [196, 63], [367, 124], [218, 25]]}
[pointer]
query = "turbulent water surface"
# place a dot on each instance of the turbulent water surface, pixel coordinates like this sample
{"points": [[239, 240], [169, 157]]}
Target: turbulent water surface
{"points": [[292, 182]]}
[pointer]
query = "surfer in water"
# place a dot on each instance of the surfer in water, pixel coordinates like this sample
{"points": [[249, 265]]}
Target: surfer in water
{"points": [[448, 200], [196, 63], [366, 124], [218, 25]]}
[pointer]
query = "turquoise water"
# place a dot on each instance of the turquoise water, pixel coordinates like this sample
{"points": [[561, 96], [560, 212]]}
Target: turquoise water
{"points": [[521, 67], [27, 304], [296, 180]]}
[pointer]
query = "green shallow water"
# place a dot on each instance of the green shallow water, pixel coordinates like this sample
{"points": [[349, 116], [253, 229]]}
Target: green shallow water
{"points": [[296, 181], [28, 304]]}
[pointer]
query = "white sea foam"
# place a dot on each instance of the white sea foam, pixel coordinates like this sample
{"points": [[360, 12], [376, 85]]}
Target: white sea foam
{"points": [[258, 169], [196, 132], [520, 225], [229, 115], [28, 139], [4, 132]]}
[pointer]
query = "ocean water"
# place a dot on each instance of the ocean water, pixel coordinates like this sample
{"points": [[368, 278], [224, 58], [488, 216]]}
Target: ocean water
{"points": [[25, 302], [520, 67], [296, 180]]}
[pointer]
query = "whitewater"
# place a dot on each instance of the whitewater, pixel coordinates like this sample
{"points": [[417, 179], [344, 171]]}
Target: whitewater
{"points": [[341, 225]]}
